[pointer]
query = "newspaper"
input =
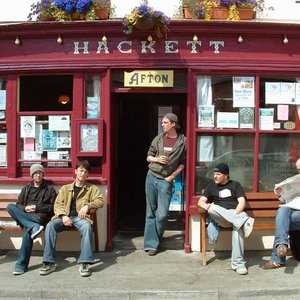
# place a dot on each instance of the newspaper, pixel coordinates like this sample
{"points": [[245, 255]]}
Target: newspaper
{"points": [[290, 191]]}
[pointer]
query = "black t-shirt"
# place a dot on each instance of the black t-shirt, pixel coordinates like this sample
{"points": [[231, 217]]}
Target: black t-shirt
{"points": [[224, 195], [73, 210]]}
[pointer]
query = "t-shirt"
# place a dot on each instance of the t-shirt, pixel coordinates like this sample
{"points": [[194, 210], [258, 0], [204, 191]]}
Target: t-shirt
{"points": [[73, 210], [224, 195]]}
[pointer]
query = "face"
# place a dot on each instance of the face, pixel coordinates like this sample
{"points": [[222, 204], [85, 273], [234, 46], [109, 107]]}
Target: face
{"points": [[38, 176], [81, 174], [167, 125], [220, 178]]}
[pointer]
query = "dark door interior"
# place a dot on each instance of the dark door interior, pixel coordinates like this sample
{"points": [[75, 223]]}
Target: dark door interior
{"points": [[137, 126]]}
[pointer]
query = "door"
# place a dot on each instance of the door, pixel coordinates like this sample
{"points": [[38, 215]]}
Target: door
{"points": [[137, 119]]}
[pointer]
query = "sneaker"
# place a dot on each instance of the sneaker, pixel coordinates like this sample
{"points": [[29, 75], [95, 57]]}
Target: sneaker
{"points": [[248, 227], [18, 271], [271, 265], [84, 270], [47, 268], [37, 232], [152, 252], [281, 250], [242, 271]]}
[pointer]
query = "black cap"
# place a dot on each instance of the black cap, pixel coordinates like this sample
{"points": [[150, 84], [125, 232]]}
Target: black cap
{"points": [[222, 168]]}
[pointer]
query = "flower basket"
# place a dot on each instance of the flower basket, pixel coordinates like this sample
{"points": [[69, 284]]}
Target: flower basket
{"points": [[102, 13], [147, 24], [246, 13], [220, 13], [187, 12]]}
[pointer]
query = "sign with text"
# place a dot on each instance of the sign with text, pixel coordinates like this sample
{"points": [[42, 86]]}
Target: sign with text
{"points": [[149, 78]]}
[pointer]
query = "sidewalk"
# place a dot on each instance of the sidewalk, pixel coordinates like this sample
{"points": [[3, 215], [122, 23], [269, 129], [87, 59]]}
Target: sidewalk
{"points": [[131, 274]]}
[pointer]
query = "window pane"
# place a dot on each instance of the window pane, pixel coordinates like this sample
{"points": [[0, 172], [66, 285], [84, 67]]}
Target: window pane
{"points": [[279, 97], [235, 150], [46, 93], [277, 156], [226, 102], [93, 97], [45, 138]]}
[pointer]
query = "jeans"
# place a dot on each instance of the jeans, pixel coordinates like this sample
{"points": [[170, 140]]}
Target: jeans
{"points": [[27, 221], [228, 218], [287, 219], [85, 229], [158, 197]]}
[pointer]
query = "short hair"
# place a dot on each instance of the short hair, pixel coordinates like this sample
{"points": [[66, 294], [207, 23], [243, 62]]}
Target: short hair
{"points": [[83, 164]]}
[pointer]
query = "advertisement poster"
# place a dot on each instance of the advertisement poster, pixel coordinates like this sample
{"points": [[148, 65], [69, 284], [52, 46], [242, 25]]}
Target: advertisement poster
{"points": [[59, 123], [246, 117], [266, 118], [27, 126], [243, 92], [227, 119], [206, 116]]}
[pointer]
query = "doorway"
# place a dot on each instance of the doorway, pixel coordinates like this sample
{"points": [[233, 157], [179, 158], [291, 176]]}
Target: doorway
{"points": [[137, 124]]}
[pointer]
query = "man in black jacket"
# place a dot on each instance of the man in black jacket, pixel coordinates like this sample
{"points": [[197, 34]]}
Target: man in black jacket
{"points": [[32, 212]]}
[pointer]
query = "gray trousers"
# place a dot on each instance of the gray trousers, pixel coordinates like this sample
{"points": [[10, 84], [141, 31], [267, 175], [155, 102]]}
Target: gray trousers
{"points": [[227, 218]]}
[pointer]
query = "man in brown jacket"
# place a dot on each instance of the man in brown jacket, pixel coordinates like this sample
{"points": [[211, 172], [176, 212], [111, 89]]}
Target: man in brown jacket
{"points": [[71, 208]]}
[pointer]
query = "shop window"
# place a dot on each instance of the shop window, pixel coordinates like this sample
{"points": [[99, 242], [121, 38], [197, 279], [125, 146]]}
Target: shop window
{"points": [[236, 150], [277, 156], [93, 102], [46, 93], [226, 102], [3, 131], [45, 138]]}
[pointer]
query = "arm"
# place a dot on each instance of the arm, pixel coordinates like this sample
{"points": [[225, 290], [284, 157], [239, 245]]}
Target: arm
{"points": [[277, 192], [175, 173], [241, 206], [203, 203]]}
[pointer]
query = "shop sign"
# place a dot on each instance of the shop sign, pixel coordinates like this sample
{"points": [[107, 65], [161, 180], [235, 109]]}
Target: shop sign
{"points": [[149, 78], [289, 125]]}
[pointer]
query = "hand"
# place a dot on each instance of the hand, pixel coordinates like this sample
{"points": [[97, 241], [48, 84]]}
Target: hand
{"points": [[163, 160], [83, 211], [67, 221], [277, 191], [30, 208]]}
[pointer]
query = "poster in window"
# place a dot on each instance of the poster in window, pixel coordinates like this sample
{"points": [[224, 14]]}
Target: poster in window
{"points": [[2, 115], [297, 93], [89, 137], [282, 112], [2, 99], [243, 92], [206, 115], [59, 123], [266, 118], [288, 92], [49, 140], [272, 93], [246, 117], [58, 155], [227, 119], [27, 126], [63, 139], [92, 107], [3, 156]]}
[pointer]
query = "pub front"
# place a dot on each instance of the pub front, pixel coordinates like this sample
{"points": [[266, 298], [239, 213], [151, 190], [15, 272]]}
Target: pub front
{"points": [[85, 90]]}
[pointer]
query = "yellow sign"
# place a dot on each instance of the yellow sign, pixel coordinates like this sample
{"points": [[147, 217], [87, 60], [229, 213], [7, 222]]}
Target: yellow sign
{"points": [[149, 78]]}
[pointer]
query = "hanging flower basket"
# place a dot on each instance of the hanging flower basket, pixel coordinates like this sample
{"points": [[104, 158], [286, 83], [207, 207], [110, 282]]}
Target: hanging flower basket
{"points": [[147, 24], [102, 13], [187, 12]]}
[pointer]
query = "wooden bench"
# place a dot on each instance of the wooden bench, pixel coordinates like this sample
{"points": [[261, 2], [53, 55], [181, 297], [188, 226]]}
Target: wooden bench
{"points": [[261, 206], [7, 222]]}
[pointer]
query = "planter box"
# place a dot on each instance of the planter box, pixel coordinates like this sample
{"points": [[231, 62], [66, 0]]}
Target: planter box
{"points": [[246, 13], [220, 13]]}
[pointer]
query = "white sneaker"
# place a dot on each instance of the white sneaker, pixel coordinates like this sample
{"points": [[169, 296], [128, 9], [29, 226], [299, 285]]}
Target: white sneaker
{"points": [[242, 271], [37, 232], [248, 226]]}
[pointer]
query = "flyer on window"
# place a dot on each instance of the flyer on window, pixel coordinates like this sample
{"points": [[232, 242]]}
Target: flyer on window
{"points": [[272, 93], [27, 126], [227, 119], [61, 123], [266, 118], [243, 92], [49, 140], [206, 116], [2, 99], [246, 117]]}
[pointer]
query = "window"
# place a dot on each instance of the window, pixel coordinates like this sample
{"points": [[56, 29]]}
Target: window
{"points": [[3, 131]]}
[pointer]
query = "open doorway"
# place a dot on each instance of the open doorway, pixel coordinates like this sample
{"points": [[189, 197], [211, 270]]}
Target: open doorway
{"points": [[138, 124]]}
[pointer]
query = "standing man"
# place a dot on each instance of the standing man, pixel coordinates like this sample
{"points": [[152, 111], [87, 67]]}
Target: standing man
{"points": [[32, 212], [224, 200], [287, 219], [71, 209], [166, 157]]}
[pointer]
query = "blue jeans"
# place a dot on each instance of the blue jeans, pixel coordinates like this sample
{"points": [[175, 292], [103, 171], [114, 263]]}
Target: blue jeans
{"points": [[158, 197], [287, 219], [27, 221], [86, 233]]}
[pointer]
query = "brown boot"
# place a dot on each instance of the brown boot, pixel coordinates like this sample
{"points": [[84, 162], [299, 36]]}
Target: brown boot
{"points": [[281, 250]]}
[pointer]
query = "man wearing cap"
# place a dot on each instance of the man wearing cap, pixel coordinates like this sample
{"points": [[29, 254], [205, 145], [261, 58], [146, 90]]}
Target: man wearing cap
{"points": [[224, 200], [32, 212], [166, 158]]}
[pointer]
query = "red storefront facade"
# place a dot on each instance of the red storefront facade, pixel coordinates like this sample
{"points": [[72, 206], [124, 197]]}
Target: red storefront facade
{"points": [[112, 124]]}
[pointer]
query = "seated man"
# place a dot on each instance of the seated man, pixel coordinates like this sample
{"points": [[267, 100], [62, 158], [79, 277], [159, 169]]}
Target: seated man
{"points": [[287, 219], [71, 208], [224, 199], [32, 212]]}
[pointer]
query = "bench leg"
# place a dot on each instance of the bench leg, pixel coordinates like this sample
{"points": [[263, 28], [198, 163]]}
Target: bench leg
{"points": [[203, 238]]}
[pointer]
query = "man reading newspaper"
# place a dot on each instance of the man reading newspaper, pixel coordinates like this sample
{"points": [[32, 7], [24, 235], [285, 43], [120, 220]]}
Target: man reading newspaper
{"points": [[287, 218]]}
